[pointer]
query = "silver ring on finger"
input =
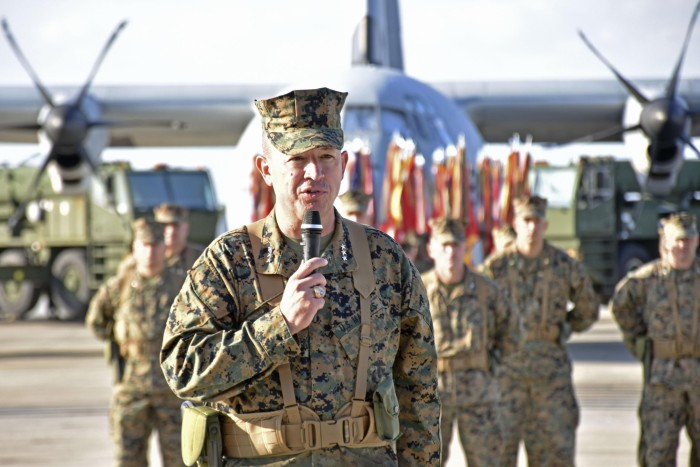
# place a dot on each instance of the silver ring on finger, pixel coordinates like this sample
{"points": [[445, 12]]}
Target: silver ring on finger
{"points": [[319, 292]]}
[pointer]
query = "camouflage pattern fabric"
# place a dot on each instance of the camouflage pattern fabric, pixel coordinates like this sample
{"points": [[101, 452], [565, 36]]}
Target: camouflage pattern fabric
{"points": [[136, 309], [642, 308], [480, 431], [303, 119], [471, 397], [538, 401], [222, 344]]}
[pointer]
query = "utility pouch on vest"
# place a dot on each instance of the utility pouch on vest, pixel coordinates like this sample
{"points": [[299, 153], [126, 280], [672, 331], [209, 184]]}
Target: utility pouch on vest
{"points": [[386, 411], [201, 436]]}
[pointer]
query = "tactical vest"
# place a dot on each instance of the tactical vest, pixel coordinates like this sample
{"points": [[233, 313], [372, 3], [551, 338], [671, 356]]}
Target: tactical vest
{"points": [[680, 347], [543, 331], [473, 359], [296, 428]]}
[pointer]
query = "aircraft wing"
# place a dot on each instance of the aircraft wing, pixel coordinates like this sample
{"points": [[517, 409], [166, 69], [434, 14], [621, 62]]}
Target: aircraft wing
{"points": [[552, 111], [211, 115]]}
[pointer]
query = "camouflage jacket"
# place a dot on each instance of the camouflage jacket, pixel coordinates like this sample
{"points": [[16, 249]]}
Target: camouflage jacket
{"points": [[459, 331], [222, 343], [557, 278], [642, 308], [132, 311]]}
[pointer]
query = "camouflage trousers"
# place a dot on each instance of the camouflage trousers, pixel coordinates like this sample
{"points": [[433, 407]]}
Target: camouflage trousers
{"points": [[544, 415], [663, 412], [134, 415], [480, 431]]}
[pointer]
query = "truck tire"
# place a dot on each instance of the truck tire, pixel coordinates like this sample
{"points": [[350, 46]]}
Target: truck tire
{"points": [[70, 291], [17, 298], [630, 257]]}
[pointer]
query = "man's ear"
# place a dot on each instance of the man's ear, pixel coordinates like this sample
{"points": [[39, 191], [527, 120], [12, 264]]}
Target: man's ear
{"points": [[344, 156], [263, 167]]}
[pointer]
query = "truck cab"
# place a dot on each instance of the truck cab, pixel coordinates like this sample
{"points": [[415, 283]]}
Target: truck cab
{"points": [[69, 244]]}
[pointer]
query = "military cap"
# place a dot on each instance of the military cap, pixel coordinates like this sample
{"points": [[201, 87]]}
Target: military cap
{"points": [[355, 201], [679, 225], [445, 229], [530, 206], [502, 236], [147, 230], [305, 119], [170, 213]]}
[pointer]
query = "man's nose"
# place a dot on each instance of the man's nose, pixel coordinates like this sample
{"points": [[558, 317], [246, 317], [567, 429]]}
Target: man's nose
{"points": [[312, 170]]}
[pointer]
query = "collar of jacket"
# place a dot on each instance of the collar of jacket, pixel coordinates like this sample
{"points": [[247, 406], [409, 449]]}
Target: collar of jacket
{"points": [[276, 257]]}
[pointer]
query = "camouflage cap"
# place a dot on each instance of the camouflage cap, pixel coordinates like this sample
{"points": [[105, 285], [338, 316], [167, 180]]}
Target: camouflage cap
{"points": [[502, 236], [355, 201], [445, 229], [679, 225], [170, 213], [305, 119], [147, 230], [530, 206]]}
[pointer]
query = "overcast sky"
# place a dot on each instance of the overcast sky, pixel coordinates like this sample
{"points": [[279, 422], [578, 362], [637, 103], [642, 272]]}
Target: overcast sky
{"points": [[235, 41], [279, 41]]}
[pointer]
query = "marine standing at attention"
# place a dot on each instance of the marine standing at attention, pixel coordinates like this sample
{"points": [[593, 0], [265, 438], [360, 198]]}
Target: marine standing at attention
{"points": [[657, 307], [325, 362], [129, 311], [554, 296], [474, 328]]}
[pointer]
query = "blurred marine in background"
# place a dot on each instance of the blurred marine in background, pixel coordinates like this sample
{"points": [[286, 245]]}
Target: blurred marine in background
{"points": [[554, 296], [129, 312], [657, 307]]}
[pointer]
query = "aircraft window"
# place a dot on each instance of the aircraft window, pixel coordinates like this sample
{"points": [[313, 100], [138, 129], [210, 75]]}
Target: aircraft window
{"points": [[395, 122], [359, 120], [555, 185], [192, 190]]}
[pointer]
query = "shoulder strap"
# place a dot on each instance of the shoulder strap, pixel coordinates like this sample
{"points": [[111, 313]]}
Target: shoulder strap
{"points": [[363, 279], [271, 290]]}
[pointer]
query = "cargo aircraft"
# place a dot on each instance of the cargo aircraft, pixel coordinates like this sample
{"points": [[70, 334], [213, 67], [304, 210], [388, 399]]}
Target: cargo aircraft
{"points": [[74, 125]]}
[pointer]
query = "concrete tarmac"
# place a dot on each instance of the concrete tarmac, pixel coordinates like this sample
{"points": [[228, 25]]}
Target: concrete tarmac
{"points": [[55, 389]]}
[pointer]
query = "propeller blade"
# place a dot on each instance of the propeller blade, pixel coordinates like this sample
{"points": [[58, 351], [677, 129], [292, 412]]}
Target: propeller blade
{"points": [[88, 160], [690, 143], [628, 85], [25, 64], [98, 62], [672, 89], [604, 134], [15, 220], [21, 126]]}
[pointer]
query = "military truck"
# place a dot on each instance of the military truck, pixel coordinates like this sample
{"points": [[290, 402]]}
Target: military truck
{"points": [[598, 213], [69, 244]]}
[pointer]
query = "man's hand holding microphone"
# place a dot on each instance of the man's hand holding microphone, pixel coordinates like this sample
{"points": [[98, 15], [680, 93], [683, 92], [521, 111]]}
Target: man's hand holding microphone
{"points": [[304, 292]]}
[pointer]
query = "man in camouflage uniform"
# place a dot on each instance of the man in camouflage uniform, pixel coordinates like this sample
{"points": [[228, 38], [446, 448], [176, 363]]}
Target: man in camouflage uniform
{"points": [[180, 253], [657, 307], [474, 328], [238, 348], [538, 401], [132, 309]]}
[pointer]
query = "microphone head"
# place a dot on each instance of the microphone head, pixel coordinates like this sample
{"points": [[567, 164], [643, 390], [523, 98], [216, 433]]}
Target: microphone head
{"points": [[312, 220]]}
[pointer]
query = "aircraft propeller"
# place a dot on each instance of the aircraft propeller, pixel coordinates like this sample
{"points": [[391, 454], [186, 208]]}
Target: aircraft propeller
{"points": [[66, 127], [665, 121]]}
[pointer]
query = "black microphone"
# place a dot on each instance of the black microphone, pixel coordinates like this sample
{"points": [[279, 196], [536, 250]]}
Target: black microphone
{"points": [[311, 229]]}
